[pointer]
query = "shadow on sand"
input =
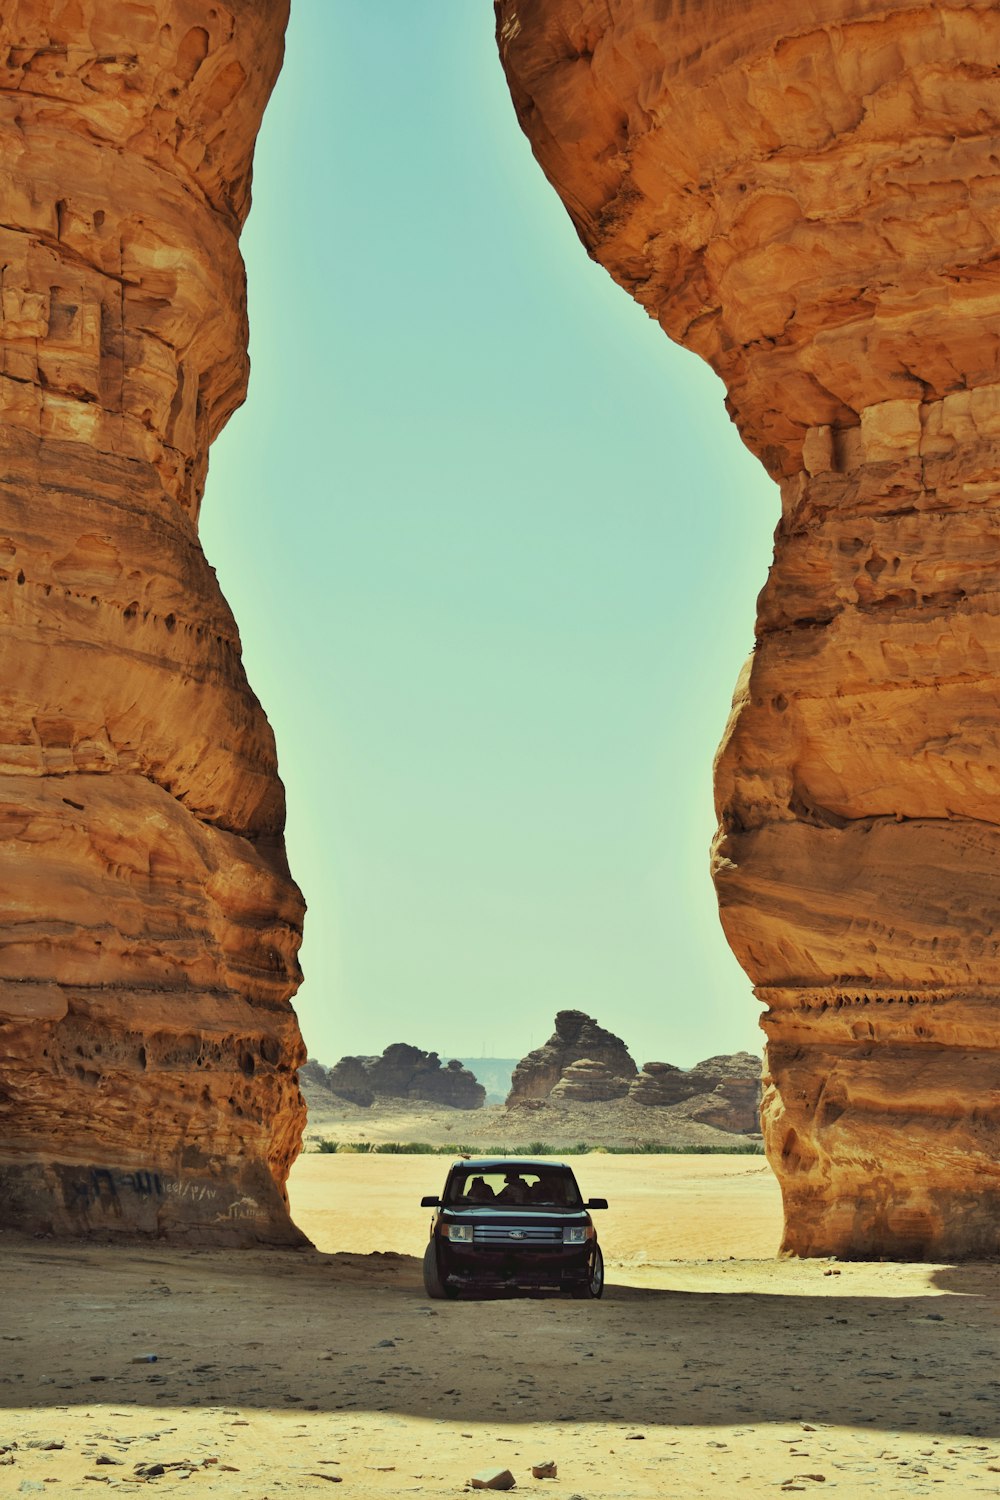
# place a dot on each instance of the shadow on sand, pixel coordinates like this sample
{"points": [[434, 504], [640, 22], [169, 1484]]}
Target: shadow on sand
{"points": [[315, 1332]]}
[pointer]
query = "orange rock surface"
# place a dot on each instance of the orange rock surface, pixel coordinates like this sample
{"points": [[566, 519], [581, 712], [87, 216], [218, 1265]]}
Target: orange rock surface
{"points": [[148, 923], [808, 196]]}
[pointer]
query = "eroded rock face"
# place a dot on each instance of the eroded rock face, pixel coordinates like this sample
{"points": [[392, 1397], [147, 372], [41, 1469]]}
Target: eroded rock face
{"points": [[592, 1063], [809, 197], [149, 925]]}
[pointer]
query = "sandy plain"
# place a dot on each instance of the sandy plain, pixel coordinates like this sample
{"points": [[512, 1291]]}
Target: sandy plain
{"points": [[710, 1367]]}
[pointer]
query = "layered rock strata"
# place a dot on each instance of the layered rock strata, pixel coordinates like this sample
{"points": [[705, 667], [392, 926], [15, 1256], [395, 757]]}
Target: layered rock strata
{"points": [[148, 924], [402, 1072], [580, 1058], [588, 1081], [809, 198]]}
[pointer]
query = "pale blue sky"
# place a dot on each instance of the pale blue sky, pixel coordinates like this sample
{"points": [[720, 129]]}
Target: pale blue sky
{"points": [[493, 546]]}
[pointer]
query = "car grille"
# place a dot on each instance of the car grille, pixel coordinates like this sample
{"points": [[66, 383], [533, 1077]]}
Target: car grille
{"points": [[499, 1234]]}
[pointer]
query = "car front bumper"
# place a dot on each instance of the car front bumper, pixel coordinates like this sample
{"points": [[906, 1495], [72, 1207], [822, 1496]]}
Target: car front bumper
{"points": [[490, 1266]]}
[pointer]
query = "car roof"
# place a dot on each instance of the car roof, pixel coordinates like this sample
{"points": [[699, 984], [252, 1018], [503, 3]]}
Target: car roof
{"points": [[505, 1164]]}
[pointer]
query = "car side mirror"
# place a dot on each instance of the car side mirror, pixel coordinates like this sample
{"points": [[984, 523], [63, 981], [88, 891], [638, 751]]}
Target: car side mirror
{"points": [[430, 1203], [597, 1202]]}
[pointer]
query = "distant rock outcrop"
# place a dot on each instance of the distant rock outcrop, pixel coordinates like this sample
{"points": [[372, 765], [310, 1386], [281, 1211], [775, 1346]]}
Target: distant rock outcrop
{"points": [[349, 1080], [402, 1072], [577, 1039], [723, 1091], [583, 1064]]}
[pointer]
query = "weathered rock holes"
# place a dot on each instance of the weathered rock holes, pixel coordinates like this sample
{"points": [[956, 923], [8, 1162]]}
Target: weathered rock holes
{"points": [[182, 1052], [192, 52]]}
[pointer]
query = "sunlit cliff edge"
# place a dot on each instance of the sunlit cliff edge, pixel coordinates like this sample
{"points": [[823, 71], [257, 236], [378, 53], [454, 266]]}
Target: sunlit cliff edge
{"points": [[149, 924], [809, 198]]}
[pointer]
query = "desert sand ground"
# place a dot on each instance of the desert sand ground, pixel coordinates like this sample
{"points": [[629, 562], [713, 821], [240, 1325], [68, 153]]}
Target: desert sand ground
{"points": [[284, 1374]]}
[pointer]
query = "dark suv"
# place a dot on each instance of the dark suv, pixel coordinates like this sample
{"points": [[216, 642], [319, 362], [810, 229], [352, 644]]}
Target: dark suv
{"points": [[512, 1225]]}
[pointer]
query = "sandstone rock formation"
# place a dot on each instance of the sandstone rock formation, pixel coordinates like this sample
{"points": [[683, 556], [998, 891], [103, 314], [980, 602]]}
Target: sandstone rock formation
{"points": [[660, 1084], [721, 1091], [149, 925], [402, 1072], [577, 1039], [809, 197], [588, 1081]]}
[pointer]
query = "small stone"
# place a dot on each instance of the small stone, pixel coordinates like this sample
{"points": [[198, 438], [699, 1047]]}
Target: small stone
{"points": [[545, 1470], [493, 1479], [105, 1458]]}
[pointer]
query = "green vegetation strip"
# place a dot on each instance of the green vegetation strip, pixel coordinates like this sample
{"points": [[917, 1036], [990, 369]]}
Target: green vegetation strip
{"points": [[533, 1148]]}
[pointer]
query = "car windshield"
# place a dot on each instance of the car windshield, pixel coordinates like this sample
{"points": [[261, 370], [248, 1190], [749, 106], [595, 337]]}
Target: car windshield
{"points": [[527, 1187]]}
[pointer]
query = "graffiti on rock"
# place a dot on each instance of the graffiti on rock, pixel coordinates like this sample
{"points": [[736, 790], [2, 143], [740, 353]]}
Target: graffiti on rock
{"points": [[102, 1187], [109, 1190]]}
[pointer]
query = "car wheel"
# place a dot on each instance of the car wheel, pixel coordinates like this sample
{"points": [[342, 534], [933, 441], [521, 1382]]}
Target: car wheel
{"points": [[433, 1284], [594, 1285]]}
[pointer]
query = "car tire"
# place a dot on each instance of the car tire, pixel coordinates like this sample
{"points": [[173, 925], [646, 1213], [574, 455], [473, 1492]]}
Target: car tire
{"points": [[434, 1286], [594, 1285]]}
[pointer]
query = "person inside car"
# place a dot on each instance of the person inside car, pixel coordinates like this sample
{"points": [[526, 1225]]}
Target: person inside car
{"points": [[515, 1189]]}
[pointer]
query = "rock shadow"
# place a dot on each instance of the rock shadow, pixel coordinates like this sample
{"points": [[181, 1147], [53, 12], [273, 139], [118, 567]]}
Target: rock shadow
{"points": [[354, 1333]]}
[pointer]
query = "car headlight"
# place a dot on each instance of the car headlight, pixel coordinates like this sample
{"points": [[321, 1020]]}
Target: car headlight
{"points": [[456, 1232], [577, 1234]]}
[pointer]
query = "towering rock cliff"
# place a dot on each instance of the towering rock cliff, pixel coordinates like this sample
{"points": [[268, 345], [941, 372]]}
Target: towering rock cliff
{"points": [[808, 196], [148, 924]]}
